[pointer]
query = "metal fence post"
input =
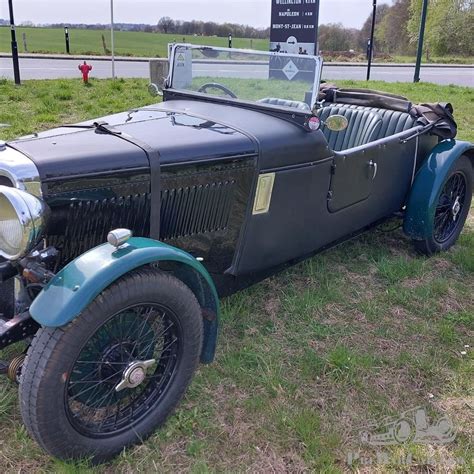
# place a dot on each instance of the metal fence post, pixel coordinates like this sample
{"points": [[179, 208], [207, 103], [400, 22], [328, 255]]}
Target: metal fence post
{"points": [[66, 37]]}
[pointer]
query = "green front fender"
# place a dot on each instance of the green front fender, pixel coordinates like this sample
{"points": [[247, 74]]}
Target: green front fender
{"points": [[81, 281], [428, 184]]}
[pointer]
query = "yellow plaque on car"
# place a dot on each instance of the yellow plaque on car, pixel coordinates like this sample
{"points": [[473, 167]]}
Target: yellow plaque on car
{"points": [[264, 192]]}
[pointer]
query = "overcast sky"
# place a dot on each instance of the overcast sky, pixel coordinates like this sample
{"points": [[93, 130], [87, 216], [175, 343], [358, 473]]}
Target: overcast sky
{"points": [[253, 12]]}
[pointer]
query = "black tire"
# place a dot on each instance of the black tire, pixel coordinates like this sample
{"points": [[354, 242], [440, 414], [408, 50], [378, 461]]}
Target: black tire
{"points": [[440, 241], [50, 408]]}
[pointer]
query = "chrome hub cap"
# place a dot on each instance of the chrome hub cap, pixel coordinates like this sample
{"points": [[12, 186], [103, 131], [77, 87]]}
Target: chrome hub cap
{"points": [[456, 208], [450, 207], [134, 375]]}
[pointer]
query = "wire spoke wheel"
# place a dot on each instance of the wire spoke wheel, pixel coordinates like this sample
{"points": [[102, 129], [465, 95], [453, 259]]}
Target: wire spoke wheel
{"points": [[450, 206], [96, 403], [113, 375]]}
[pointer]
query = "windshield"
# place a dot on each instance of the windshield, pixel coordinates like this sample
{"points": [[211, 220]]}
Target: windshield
{"points": [[280, 80]]}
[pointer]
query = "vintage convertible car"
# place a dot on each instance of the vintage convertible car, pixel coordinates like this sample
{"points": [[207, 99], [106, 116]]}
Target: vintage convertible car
{"points": [[119, 235]]}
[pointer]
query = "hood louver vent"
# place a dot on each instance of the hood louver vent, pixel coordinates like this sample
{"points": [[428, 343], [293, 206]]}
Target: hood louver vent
{"points": [[195, 210]]}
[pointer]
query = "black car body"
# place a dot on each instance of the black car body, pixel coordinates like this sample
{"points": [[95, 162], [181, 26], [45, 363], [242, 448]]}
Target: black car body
{"points": [[219, 193]]}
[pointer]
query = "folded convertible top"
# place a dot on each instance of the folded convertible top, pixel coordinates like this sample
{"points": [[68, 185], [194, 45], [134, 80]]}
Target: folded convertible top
{"points": [[365, 97], [437, 118]]}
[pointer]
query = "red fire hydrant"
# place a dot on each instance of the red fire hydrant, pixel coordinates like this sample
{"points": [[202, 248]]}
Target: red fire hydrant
{"points": [[85, 69]]}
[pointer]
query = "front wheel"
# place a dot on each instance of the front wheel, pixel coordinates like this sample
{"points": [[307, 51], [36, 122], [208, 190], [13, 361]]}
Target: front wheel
{"points": [[452, 209], [114, 374]]}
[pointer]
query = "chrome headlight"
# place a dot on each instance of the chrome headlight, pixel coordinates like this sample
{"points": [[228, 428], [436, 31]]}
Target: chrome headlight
{"points": [[22, 221]]}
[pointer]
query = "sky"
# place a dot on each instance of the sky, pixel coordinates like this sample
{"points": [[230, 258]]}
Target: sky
{"points": [[351, 13]]}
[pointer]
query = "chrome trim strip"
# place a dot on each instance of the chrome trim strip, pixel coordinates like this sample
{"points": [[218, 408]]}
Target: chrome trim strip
{"points": [[21, 171], [415, 160]]}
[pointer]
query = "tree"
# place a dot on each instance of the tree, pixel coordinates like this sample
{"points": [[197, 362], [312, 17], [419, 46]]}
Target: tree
{"points": [[165, 24], [392, 34], [458, 33], [364, 34], [334, 37], [449, 26]]}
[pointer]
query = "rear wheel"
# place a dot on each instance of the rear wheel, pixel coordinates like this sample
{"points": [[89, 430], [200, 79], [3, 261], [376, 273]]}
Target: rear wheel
{"points": [[113, 375], [452, 209]]}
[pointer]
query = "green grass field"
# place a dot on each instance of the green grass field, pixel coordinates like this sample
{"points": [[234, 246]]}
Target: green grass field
{"points": [[306, 358], [51, 40], [437, 59]]}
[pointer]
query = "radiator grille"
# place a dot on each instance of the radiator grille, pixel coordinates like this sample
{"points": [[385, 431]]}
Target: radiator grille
{"points": [[185, 212], [195, 210], [87, 223]]}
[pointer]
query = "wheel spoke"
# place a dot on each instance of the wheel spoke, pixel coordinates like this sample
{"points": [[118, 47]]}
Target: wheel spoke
{"points": [[92, 386], [443, 206], [450, 206], [132, 336], [144, 325], [152, 343]]}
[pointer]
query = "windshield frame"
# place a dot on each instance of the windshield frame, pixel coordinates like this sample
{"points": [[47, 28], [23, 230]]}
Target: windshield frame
{"points": [[173, 48]]}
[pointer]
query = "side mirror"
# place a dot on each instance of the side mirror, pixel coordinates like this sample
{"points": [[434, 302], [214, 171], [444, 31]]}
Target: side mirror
{"points": [[336, 123], [155, 90]]}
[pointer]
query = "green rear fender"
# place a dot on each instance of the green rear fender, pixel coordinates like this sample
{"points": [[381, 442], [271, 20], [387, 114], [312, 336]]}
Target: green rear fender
{"points": [[81, 281], [424, 195]]}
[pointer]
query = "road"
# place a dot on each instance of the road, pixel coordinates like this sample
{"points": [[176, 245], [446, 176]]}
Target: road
{"points": [[444, 76], [67, 68]]}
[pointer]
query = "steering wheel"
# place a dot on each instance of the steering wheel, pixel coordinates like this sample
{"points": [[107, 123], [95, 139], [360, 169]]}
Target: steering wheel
{"points": [[216, 85]]}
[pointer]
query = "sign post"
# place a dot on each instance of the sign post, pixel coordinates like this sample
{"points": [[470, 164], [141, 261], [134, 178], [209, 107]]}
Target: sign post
{"points": [[294, 27], [370, 44], [112, 40], [66, 37], [16, 64], [421, 39]]}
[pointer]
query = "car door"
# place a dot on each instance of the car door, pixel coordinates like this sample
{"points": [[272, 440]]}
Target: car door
{"points": [[353, 173], [377, 176]]}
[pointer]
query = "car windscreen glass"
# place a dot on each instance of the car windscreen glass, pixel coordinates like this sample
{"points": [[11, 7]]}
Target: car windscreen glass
{"points": [[284, 80]]}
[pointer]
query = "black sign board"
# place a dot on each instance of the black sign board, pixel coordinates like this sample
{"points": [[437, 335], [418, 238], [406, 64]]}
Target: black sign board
{"points": [[294, 26]]}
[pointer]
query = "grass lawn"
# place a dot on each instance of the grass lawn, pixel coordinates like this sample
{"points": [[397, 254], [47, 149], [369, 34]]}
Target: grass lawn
{"points": [[436, 59], [132, 43], [127, 43], [307, 358]]}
